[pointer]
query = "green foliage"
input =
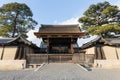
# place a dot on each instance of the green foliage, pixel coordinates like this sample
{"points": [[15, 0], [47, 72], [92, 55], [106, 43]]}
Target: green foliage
{"points": [[15, 19], [104, 29], [4, 30], [101, 19], [110, 11]]}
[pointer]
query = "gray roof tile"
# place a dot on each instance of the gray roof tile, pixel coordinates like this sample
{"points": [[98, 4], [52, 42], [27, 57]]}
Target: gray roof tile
{"points": [[59, 29]]}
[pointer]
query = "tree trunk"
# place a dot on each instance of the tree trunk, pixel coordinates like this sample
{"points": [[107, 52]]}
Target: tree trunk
{"points": [[13, 35], [15, 23]]}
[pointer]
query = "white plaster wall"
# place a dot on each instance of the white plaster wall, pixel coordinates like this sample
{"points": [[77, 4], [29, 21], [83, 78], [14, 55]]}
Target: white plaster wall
{"points": [[90, 50], [110, 53], [9, 53]]}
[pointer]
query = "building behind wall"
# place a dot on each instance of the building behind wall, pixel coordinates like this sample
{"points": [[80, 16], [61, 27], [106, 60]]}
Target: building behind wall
{"points": [[58, 37], [106, 52], [58, 43], [13, 52]]}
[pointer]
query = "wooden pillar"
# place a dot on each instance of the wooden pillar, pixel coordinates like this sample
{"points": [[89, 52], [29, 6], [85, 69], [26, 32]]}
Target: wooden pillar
{"points": [[3, 46], [70, 48], [48, 46], [48, 49]]}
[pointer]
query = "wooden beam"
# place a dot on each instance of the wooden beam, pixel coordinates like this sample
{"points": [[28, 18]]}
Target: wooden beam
{"points": [[59, 34]]}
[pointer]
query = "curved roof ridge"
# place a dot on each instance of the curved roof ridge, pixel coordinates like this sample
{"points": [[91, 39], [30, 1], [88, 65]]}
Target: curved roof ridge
{"points": [[10, 40], [59, 25]]}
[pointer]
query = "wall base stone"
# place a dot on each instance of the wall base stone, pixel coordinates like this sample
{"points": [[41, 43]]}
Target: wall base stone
{"points": [[12, 64], [107, 64]]}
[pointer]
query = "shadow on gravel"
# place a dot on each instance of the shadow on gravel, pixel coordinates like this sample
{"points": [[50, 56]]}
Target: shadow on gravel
{"points": [[86, 67]]}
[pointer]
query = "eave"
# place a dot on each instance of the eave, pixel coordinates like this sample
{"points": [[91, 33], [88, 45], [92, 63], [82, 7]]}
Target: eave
{"points": [[38, 34]]}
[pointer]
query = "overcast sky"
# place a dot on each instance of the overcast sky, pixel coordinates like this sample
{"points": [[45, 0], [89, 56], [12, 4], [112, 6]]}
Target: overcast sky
{"points": [[56, 11]]}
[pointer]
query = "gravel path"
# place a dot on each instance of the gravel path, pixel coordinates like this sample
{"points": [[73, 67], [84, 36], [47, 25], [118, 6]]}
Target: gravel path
{"points": [[14, 75], [61, 71]]}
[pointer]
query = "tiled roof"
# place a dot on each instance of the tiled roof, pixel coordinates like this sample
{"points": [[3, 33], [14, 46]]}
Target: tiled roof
{"points": [[59, 29], [112, 41], [18, 39], [106, 41], [5, 40], [9, 40]]}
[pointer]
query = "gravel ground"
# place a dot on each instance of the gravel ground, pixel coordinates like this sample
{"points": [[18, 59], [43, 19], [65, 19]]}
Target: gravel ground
{"points": [[61, 71]]}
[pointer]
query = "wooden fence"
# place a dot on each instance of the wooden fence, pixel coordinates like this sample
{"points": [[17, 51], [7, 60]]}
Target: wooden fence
{"points": [[59, 58], [48, 58]]}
